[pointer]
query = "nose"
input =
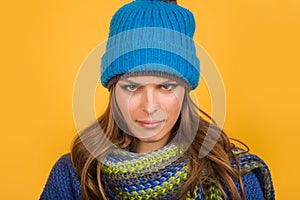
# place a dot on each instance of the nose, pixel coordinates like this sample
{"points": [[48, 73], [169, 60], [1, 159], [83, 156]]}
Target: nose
{"points": [[149, 100]]}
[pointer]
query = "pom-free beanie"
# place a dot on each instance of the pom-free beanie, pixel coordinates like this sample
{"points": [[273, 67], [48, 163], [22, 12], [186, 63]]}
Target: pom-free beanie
{"points": [[151, 36]]}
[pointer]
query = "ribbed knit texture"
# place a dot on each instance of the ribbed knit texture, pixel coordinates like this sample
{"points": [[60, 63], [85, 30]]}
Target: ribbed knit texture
{"points": [[156, 175], [63, 182], [150, 35]]}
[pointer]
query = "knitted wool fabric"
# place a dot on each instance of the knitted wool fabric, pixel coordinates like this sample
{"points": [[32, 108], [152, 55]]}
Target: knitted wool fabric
{"points": [[249, 162], [63, 182], [162, 173], [151, 36], [156, 175]]}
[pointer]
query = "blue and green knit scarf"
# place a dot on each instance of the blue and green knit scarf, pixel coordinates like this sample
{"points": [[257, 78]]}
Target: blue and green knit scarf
{"points": [[160, 174]]}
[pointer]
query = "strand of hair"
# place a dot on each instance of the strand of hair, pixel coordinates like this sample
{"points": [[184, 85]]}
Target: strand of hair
{"points": [[171, 1]]}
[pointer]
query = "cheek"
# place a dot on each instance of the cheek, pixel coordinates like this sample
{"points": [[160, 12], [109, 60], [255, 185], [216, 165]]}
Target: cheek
{"points": [[173, 104], [172, 107], [122, 102], [133, 105]]}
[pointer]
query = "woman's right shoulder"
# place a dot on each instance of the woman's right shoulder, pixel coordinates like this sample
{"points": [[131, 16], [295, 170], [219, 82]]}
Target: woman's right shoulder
{"points": [[64, 165], [65, 160], [62, 182]]}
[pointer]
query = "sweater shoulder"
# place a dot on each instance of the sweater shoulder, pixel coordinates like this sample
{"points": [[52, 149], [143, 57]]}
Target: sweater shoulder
{"points": [[62, 182], [63, 167], [65, 161], [255, 172]]}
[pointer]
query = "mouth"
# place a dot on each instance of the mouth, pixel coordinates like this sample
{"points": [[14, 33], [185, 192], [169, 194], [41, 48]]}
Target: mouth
{"points": [[151, 124]]}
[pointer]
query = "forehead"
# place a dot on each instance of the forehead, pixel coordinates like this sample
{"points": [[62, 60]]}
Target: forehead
{"points": [[147, 79]]}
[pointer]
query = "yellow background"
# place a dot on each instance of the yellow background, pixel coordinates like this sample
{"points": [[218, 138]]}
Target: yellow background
{"points": [[254, 43]]}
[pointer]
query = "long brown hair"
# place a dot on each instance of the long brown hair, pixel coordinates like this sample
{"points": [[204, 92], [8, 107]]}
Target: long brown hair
{"points": [[216, 163]]}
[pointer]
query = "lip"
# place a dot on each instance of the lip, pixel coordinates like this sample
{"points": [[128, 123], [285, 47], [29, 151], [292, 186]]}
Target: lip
{"points": [[150, 124]]}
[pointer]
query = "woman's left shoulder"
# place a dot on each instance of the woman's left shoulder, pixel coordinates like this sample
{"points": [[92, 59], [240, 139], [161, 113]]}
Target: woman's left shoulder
{"points": [[255, 172]]}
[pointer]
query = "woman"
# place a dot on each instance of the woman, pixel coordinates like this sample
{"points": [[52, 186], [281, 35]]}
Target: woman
{"points": [[147, 143]]}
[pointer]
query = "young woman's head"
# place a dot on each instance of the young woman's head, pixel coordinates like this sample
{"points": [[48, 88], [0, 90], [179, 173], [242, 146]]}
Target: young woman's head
{"points": [[149, 67], [151, 61]]}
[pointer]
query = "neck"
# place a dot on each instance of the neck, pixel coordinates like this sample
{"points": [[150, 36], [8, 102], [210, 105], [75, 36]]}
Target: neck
{"points": [[146, 147]]}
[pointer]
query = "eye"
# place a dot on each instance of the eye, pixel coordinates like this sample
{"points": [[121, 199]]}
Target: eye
{"points": [[168, 87], [130, 88]]}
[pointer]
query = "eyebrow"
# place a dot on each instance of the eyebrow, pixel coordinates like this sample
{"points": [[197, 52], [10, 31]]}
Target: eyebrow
{"points": [[135, 83]]}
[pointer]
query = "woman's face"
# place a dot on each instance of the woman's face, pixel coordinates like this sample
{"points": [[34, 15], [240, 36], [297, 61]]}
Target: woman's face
{"points": [[150, 106]]}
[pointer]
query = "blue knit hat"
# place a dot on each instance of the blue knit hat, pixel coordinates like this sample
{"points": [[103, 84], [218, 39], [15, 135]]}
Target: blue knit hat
{"points": [[151, 37]]}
